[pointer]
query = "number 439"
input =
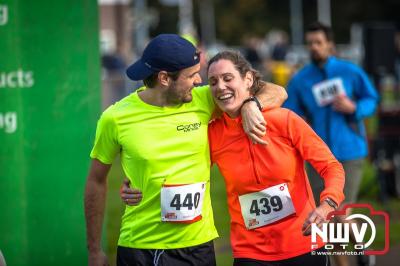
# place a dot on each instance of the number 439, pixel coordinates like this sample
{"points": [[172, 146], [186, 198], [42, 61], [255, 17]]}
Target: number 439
{"points": [[275, 202]]}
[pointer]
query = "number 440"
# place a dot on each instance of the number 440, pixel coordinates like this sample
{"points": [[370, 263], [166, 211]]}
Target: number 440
{"points": [[189, 201]]}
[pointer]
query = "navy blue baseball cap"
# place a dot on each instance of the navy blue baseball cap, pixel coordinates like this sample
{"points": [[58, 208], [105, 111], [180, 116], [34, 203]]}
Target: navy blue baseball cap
{"points": [[167, 52]]}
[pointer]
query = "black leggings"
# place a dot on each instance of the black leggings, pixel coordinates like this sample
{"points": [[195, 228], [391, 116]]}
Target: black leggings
{"points": [[305, 259], [201, 255]]}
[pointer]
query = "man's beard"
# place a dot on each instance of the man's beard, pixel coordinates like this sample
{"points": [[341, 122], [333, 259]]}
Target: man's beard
{"points": [[178, 98], [318, 60]]}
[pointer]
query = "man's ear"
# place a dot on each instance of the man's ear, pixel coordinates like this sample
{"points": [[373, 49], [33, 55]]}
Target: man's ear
{"points": [[249, 79], [163, 78]]}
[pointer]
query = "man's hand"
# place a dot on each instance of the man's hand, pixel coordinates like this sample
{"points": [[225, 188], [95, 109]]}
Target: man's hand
{"points": [[253, 122], [98, 258], [131, 197], [270, 96], [344, 105], [318, 216]]}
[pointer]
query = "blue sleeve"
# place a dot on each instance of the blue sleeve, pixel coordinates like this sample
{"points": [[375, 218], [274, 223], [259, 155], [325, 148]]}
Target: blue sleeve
{"points": [[366, 96], [293, 101]]}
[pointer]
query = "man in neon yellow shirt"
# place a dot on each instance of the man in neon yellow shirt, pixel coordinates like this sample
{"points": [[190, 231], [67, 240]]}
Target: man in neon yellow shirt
{"points": [[160, 132]]}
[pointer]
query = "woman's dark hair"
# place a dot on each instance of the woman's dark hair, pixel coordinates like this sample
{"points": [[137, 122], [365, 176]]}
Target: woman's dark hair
{"points": [[242, 66]]}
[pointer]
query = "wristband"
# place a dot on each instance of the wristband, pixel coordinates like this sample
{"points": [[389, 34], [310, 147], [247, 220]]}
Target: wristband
{"points": [[331, 203], [254, 99]]}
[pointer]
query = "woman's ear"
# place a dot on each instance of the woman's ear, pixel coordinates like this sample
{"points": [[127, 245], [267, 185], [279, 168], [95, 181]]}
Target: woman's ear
{"points": [[163, 78], [249, 79]]}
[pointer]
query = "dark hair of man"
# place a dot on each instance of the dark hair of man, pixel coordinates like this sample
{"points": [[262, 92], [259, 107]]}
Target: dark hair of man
{"points": [[242, 66], [318, 26], [151, 81]]}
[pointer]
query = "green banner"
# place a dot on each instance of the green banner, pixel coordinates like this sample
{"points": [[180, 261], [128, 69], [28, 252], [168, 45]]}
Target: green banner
{"points": [[49, 104]]}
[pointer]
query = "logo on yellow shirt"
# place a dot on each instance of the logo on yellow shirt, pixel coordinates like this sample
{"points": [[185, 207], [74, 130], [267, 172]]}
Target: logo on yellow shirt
{"points": [[189, 127]]}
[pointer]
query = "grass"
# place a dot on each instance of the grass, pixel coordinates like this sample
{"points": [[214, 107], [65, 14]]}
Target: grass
{"points": [[221, 217], [368, 193]]}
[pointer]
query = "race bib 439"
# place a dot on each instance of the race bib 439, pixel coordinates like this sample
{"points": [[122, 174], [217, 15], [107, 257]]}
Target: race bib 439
{"points": [[266, 206]]}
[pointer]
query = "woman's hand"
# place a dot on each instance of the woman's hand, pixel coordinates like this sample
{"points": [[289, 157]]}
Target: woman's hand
{"points": [[131, 197], [317, 216]]}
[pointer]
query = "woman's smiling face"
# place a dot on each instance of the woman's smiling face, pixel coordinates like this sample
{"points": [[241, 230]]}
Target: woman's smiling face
{"points": [[228, 87]]}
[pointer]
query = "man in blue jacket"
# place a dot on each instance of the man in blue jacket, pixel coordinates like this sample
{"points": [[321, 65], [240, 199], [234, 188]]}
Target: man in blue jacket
{"points": [[334, 96]]}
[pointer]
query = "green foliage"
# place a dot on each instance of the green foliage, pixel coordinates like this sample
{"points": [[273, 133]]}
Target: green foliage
{"points": [[236, 19]]}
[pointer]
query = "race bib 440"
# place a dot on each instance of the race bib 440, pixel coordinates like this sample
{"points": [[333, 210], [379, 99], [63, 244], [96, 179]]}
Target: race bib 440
{"points": [[182, 203], [266, 206]]}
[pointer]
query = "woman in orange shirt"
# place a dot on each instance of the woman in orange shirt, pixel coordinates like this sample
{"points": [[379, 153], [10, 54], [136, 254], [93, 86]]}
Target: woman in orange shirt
{"points": [[269, 197]]}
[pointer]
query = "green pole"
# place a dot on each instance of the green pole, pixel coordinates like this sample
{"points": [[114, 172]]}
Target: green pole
{"points": [[49, 104]]}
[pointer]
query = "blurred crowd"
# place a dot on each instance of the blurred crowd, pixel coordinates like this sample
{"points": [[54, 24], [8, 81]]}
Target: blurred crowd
{"points": [[278, 60]]}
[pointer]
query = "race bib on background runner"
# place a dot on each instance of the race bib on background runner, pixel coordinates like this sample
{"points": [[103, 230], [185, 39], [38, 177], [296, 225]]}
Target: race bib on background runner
{"points": [[325, 92], [182, 203], [267, 206]]}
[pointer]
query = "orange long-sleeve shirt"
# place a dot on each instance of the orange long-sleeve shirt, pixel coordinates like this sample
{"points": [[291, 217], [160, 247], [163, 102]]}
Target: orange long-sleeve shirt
{"points": [[249, 168]]}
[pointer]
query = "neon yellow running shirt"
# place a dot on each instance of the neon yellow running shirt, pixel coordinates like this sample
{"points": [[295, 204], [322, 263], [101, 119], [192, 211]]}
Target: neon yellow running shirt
{"points": [[159, 146]]}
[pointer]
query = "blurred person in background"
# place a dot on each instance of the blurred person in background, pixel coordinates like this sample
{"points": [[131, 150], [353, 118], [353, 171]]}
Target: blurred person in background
{"points": [[280, 70], [113, 67], [334, 96], [160, 132], [251, 45], [269, 197]]}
